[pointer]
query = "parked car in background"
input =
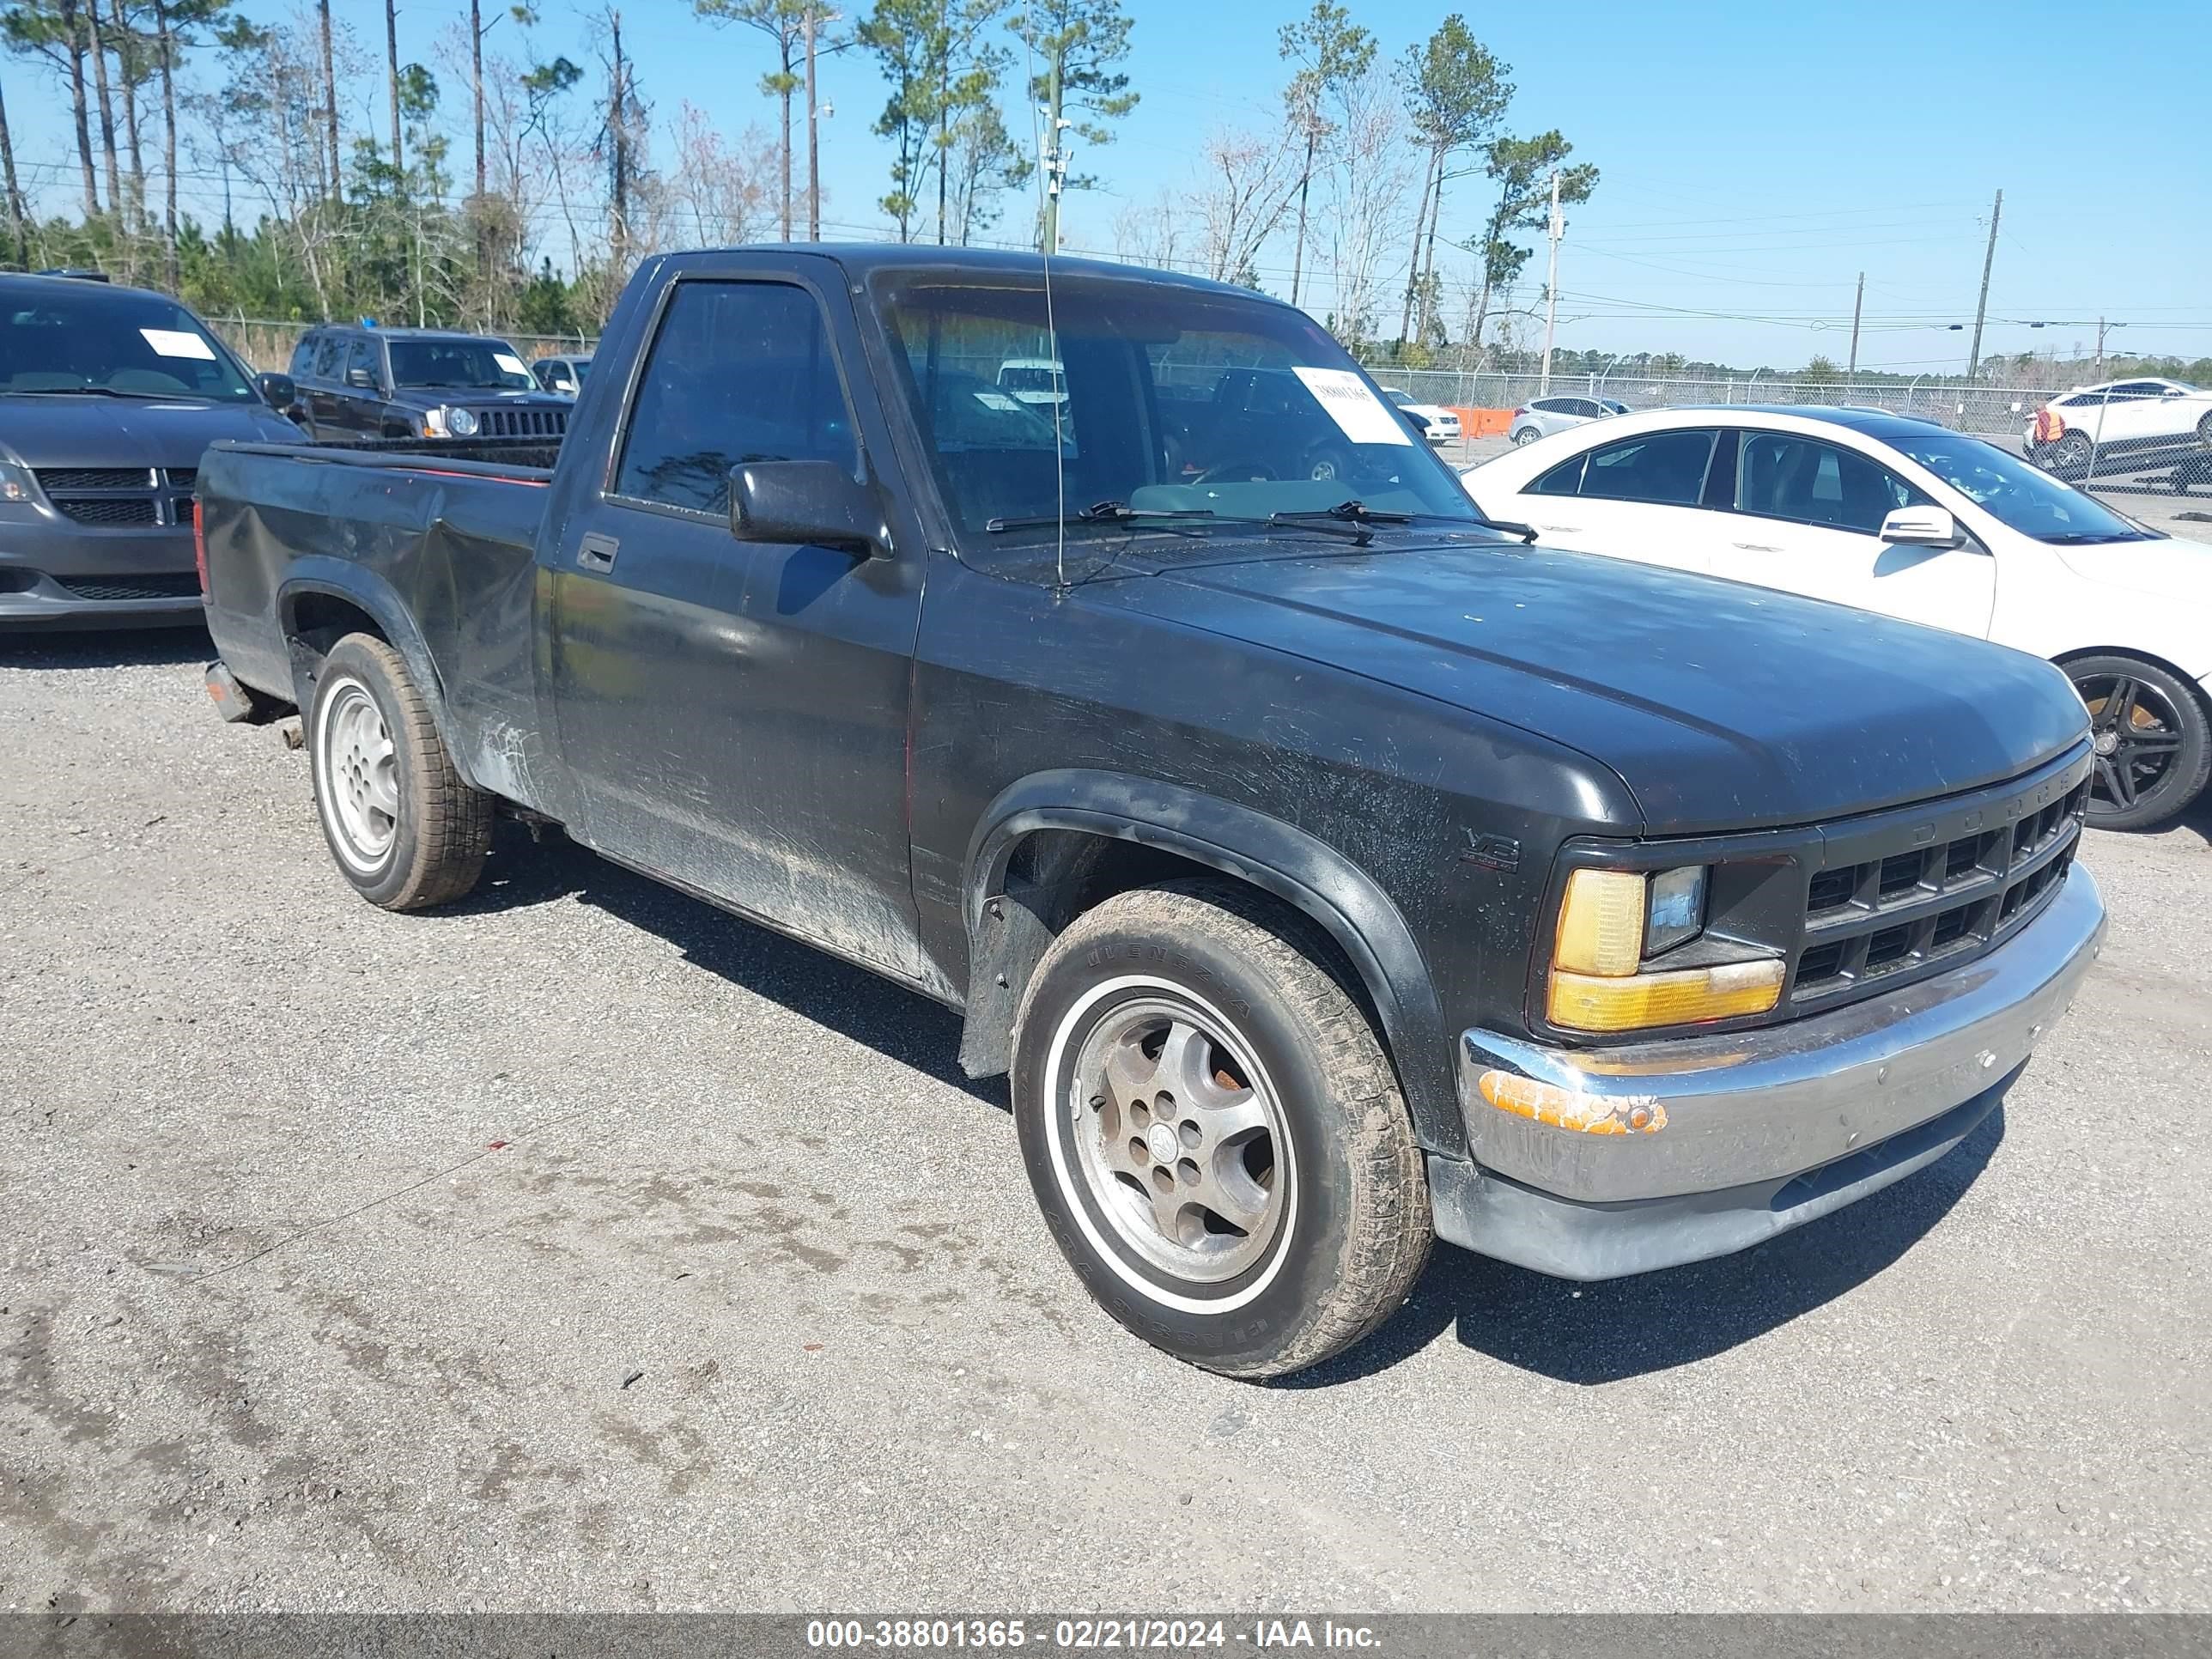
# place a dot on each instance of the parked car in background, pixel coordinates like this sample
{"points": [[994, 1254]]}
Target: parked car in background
{"points": [[563, 376], [108, 397], [1541, 417], [1443, 424], [1037, 381], [2120, 426], [1329, 868], [357, 383], [1913, 520]]}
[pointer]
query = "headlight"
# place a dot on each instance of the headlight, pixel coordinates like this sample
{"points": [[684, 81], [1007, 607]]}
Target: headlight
{"points": [[15, 484], [461, 422], [1612, 923], [1675, 913]]}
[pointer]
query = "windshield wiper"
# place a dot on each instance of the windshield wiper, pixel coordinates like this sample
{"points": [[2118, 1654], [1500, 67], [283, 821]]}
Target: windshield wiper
{"points": [[1099, 513], [104, 392], [1356, 512]]}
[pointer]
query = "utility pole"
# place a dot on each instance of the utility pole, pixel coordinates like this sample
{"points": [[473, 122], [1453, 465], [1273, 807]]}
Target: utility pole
{"points": [[2102, 328], [1982, 304], [813, 138], [1055, 157], [1857, 304], [1552, 285]]}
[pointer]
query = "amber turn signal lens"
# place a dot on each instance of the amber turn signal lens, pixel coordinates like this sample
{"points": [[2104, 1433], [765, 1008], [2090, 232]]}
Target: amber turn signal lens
{"points": [[1600, 923], [1588, 1002]]}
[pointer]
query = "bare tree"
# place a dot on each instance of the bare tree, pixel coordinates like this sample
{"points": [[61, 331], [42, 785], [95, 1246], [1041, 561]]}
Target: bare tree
{"points": [[330, 104], [1331, 51], [131, 68], [52, 32], [715, 194], [784, 23], [107, 106], [1246, 184], [1150, 235], [391, 78], [1369, 167], [18, 219]]}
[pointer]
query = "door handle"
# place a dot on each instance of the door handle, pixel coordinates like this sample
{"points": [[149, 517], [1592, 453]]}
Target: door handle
{"points": [[596, 552]]}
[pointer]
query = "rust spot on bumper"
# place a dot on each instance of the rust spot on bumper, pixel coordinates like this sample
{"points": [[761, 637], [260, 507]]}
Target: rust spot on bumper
{"points": [[1566, 1109]]}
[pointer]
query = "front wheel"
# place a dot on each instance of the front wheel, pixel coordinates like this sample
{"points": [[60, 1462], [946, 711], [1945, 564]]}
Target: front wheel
{"points": [[1213, 1132], [1328, 466], [2153, 750], [406, 830], [2073, 453]]}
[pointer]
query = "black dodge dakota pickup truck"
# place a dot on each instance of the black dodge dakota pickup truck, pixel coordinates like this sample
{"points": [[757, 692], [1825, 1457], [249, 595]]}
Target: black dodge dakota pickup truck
{"points": [[1329, 868]]}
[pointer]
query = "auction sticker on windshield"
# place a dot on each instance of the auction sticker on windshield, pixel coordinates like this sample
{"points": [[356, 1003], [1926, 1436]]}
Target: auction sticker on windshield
{"points": [[177, 342], [512, 364], [1363, 417]]}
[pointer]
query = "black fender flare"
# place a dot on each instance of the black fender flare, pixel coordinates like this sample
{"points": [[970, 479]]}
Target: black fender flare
{"points": [[341, 579], [1273, 855]]}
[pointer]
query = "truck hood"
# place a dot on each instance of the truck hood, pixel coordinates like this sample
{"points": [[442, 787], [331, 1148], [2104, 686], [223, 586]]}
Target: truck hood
{"points": [[1719, 705], [48, 431]]}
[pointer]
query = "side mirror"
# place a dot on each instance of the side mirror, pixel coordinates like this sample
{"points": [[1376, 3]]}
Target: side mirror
{"points": [[363, 379], [1922, 526], [800, 502], [278, 390]]}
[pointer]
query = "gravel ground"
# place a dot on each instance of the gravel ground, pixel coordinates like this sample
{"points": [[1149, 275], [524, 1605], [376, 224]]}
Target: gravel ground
{"points": [[583, 1248]]}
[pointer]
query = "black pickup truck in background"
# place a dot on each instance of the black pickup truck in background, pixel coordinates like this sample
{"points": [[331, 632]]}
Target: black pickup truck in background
{"points": [[108, 395], [1329, 868], [356, 384]]}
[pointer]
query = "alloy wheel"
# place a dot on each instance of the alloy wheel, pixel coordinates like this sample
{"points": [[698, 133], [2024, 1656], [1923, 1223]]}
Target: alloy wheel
{"points": [[2138, 734], [1178, 1139]]}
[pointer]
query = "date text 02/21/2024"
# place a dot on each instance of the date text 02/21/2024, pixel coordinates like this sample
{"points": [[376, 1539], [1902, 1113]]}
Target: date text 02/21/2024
{"points": [[1082, 1635]]}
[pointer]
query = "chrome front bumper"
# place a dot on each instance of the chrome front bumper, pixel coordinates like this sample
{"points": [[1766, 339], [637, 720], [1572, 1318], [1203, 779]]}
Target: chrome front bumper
{"points": [[1739, 1129]]}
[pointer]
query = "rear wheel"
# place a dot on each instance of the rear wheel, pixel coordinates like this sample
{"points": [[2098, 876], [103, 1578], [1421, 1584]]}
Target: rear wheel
{"points": [[1527, 435], [405, 828], [2204, 430], [2153, 749], [1213, 1133]]}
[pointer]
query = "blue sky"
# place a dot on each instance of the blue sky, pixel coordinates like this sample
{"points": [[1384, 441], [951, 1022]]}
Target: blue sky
{"points": [[1754, 157]]}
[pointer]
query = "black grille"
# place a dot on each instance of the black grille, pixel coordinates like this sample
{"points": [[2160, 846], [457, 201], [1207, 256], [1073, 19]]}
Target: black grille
{"points": [[182, 477], [52, 479], [108, 509], [522, 422], [1967, 882], [157, 587]]}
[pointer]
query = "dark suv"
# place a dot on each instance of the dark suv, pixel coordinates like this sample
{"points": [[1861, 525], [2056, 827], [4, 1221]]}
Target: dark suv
{"points": [[363, 383], [108, 398]]}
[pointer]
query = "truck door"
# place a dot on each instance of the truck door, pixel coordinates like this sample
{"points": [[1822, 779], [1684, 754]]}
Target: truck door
{"points": [[734, 714]]}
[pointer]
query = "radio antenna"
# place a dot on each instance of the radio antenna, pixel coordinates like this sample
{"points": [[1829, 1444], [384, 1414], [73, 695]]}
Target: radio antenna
{"points": [[1051, 168]]}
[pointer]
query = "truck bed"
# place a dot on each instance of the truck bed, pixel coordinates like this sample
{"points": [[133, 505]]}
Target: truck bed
{"points": [[438, 547]]}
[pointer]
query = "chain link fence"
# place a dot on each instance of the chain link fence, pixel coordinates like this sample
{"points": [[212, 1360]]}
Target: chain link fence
{"points": [[1978, 408], [2155, 431]]}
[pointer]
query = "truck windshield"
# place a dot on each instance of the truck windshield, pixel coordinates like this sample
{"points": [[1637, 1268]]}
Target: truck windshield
{"points": [[1177, 404], [81, 338], [2020, 496], [488, 365]]}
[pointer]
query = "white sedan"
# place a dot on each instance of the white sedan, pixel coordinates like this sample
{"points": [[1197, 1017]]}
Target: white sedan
{"points": [[1898, 516], [1443, 424]]}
